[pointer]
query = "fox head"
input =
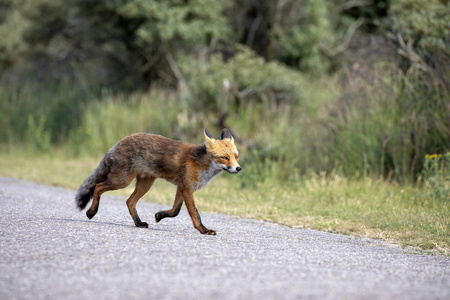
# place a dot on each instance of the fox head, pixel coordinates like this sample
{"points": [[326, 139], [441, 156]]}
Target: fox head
{"points": [[223, 151]]}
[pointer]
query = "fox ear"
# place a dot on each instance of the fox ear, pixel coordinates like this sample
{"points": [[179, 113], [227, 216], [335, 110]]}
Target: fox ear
{"points": [[208, 136], [226, 134]]}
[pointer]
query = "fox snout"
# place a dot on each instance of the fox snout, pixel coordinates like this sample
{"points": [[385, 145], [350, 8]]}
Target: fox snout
{"points": [[232, 170]]}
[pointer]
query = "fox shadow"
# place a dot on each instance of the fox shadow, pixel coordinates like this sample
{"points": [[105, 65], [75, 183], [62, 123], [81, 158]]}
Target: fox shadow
{"points": [[105, 223]]}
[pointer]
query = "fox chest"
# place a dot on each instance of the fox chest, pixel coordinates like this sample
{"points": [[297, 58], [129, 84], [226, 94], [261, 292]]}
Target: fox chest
{"points": [[205, 176]]}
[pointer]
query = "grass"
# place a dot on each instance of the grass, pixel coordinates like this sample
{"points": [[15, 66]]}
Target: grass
{"points": [[366, 207]]}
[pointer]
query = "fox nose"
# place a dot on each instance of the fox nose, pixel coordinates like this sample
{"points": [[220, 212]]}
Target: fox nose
{"points": [[238, 168]]}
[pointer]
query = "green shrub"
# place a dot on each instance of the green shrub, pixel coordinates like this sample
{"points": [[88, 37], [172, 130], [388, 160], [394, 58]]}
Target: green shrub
{"points": [[436, 175], [38, 137], [251, 80], [427, 28], [60, 103], [106, 122]]}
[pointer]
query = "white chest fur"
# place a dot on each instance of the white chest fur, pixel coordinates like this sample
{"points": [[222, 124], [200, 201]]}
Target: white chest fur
{"points": [[205, 177]]}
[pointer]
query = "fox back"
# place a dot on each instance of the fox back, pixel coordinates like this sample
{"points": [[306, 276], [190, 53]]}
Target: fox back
{"points": [[191, 165]]}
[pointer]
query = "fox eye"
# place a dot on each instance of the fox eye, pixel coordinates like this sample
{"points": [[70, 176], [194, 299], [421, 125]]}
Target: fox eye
{"points": [[224, 157]]}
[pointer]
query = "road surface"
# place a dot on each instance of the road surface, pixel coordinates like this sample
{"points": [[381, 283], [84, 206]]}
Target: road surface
{"points": [[50, 250]]}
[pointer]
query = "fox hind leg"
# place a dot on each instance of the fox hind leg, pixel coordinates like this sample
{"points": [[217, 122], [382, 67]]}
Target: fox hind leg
{"points": [[99, 190], [143, 184], [108, 185], [171, 212]]}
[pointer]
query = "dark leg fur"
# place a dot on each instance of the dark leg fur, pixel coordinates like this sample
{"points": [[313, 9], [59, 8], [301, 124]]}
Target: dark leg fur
{"points": [[142, 187], [99, 190], [108, 185], [188, 197], [171, 212]]}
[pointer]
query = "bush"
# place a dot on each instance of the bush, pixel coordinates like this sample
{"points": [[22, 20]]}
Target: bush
{"points": [[436, 175], [250, 77], [60, 104], [107, 121], [38, 138]]}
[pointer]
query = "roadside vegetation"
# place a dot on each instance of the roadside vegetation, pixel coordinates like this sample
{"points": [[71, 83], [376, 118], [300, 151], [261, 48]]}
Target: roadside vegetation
{"points": [[409, 215], [340, 111]]}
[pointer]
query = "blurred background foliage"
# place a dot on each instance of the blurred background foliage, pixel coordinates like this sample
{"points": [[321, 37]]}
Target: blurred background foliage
{"points": [[359, 87]]}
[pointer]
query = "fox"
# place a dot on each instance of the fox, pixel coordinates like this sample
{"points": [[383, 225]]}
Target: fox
{"points": [[147, 157]]}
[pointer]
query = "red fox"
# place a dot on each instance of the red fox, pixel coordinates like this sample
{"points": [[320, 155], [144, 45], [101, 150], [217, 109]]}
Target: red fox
{"points": [[149, 156]]}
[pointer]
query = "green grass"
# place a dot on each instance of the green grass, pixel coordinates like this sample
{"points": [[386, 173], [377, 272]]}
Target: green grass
{"points": [[367, 207]]}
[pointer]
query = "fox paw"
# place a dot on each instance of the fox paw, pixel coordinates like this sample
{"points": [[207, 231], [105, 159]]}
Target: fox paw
{"points": [[158, 217], [208, 232], [142, 224], [90, 214]]}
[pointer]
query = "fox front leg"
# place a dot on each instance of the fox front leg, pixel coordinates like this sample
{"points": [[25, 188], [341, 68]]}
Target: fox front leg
{"points": [[188, 197], [171, 212]]}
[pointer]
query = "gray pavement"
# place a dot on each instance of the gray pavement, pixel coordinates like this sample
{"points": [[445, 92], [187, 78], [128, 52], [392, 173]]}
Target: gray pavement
{"points": [[50, 250]]}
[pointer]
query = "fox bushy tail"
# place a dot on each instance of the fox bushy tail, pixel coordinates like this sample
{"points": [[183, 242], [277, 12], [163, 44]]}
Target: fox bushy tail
{"points": [[86, 189]]}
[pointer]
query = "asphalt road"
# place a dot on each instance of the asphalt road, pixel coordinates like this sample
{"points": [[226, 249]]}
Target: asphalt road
{"points": [[50, 250]]}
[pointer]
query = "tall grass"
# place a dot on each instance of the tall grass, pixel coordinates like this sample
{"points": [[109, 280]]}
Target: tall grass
{"points": [[41, 111], [365, 122], [105, 122], [371, 127]]}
